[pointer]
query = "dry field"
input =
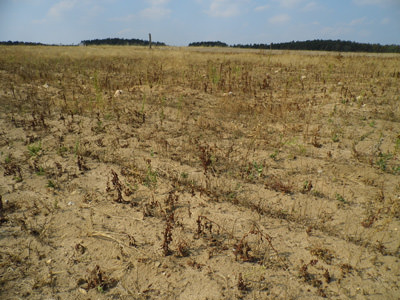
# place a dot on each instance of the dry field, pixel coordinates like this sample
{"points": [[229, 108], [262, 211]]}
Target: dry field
{"points": [[215, 174]]}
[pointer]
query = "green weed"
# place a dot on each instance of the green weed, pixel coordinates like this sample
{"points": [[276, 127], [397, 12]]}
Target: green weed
{"points": [[151, 177], [143, 104], [7, 159], [383, 160], [76, 148], [51, 184], [17, 178], [335, 137], [62, 151], [34, 149], [340, 198], [40, 171], [274, 155], [397, 143]]}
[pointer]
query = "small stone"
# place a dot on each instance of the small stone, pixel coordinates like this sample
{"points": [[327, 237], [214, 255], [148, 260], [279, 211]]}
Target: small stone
{"points": [[118, 93], [82, 291]]}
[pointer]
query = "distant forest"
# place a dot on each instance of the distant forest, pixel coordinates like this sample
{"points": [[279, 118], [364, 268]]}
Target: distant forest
{"points": [[208, 44], [10, 43], [122, 42], [321, 45], [108, 41]]}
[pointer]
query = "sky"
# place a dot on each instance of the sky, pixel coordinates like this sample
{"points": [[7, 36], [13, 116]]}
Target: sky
{"points": [[179, 22]]}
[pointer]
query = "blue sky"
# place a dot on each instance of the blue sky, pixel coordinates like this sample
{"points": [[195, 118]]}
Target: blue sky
{"points": [[178, 22]]}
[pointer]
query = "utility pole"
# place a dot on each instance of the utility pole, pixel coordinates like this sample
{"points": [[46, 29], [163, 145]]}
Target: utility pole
{"points": [[149, 40]]}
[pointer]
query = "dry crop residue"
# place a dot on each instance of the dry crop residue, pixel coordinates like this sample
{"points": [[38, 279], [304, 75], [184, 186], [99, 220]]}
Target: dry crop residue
{"points": [[215, 175]]}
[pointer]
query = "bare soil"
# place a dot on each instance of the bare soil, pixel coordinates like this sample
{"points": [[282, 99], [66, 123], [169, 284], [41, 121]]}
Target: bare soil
{"points": [[211, 175]]}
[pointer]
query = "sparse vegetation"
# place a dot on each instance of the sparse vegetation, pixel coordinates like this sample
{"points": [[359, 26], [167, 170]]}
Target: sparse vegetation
{"points": [[34, 149], [256, 174]]}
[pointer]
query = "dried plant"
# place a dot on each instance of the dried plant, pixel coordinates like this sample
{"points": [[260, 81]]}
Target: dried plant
{"points": [[98, 280], [241, 285], [169, 225], [205, 154], [278, 185], [81, 164], [118, 187]]}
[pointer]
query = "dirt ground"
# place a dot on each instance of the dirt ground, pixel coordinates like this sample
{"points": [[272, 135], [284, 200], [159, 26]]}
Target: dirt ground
{"points": [[179, 173]]}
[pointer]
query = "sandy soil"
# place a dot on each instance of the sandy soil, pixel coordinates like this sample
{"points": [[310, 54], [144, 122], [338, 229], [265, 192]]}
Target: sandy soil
{"points": [[280, 183]]}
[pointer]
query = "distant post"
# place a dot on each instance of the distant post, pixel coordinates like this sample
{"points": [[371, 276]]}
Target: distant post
{"points": [[149, 40]]}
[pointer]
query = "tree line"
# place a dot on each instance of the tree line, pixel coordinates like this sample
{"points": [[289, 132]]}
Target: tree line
{"points": [[11, 43], [320, 45], [118, 41], [208, 44], [107, 41]]}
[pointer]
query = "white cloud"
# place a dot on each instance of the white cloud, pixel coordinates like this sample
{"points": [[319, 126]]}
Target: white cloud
{"points": [[127, 18], [157, 2], [85, 10], [279, 19], [225, 8], [357, 21], [377, 2], [61, 7], [289, 3], [157, 9], [385, 21], [310, 6], [155, 12], [262, 8]]}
